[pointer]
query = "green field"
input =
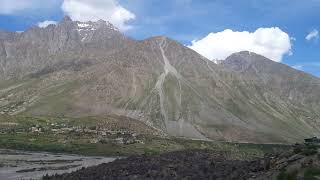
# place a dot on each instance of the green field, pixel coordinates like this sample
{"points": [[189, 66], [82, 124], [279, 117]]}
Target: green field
{"points": [[16, 133]]}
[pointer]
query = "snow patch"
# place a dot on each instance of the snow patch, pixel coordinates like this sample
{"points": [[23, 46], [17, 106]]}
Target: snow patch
{"points": [[110, 26], [83, 25], [84, 38], [86, 29]]}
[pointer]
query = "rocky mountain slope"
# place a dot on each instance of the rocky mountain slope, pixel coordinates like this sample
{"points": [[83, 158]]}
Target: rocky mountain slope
{"points": [[82, 69]]}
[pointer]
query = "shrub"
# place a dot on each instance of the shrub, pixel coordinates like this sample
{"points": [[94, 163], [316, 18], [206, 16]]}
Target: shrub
{"points": [[309, 152], [287, 176], [310, 173]]}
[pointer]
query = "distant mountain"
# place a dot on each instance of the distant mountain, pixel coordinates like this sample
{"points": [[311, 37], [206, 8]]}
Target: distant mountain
{"points": [[91, 69], [39, 48]]}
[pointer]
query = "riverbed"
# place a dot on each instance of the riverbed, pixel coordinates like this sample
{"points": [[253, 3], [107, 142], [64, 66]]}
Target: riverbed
{"points": [[16, 165]]}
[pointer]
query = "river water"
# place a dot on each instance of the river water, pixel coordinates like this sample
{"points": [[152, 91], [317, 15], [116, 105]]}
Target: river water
{"points": [[17, 165]]}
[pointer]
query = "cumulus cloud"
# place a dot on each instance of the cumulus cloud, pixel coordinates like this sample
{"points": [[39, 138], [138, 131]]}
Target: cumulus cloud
{"points": [[93, 10], [313, 35], [44, 24], [272, 43]]}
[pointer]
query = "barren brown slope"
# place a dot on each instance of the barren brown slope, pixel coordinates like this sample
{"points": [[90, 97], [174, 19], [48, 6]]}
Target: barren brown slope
{"points": [[158, 81]]}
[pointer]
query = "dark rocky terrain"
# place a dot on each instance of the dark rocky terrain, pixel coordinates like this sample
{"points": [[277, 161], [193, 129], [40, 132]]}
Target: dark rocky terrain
{"points": [[199, 164], [301, 162]]}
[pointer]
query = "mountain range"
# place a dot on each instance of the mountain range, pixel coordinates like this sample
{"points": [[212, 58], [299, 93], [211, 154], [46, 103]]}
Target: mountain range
{"points": [[82, 69]]}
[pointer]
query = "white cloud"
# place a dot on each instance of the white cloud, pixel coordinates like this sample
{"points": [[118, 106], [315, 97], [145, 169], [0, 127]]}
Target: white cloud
{"points": [[44, 24], [93, 10], [272, 43], [298, 67], [313, 35]]}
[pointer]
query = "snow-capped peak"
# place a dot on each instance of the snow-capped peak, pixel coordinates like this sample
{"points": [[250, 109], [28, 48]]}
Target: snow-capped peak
{"points": [[86, 26], [87, 29], [83, 25]]}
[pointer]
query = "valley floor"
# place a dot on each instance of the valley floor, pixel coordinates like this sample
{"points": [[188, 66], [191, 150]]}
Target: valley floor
{"points": [[161, 154], [147, 145], [17, 165], [298, 163], [100, 137]]}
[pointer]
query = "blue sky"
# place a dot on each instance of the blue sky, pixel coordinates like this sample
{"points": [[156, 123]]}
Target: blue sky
{"points": [[188, 20]]}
